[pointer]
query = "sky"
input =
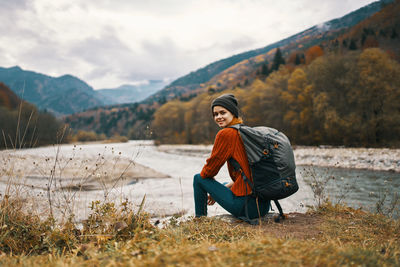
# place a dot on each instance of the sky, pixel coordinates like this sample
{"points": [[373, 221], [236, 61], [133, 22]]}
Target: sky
{"points": [[108, 43]]}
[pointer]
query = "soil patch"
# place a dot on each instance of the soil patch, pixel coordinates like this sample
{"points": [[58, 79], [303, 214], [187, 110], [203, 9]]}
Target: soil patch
{"points": [[296, 225]]}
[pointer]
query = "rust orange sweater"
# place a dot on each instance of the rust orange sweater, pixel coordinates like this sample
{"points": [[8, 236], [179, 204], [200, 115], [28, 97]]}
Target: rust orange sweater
{"points": [[227, 144]]}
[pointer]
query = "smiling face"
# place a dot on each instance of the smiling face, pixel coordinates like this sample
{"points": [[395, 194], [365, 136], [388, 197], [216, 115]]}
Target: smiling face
{"points": [[222, 116]]}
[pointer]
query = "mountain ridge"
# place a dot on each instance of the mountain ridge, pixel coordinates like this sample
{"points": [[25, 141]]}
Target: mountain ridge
{"points": [[128, 93], [48, 92], [194, 79]]}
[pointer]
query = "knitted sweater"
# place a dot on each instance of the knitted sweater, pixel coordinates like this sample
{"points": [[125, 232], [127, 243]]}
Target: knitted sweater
{"points": [[228, 144]]}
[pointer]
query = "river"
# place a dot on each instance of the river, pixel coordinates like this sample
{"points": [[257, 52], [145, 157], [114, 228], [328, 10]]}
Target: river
{"points": [[169, 190]]}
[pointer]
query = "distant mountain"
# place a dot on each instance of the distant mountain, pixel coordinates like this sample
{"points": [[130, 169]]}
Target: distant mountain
{"points": [[60, 96], [192, 81], [132, 93]]}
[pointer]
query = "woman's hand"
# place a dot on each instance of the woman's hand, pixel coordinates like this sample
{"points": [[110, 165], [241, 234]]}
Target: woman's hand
{"points": [[210, 201], [229, 185]]}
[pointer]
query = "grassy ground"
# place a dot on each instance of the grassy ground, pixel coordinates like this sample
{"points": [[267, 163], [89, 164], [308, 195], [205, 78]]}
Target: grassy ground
{"points": [[119, 236]]}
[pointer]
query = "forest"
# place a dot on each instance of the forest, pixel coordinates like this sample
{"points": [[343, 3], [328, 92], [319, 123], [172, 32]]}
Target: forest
{"points": [[349, 99], [22, 125]]}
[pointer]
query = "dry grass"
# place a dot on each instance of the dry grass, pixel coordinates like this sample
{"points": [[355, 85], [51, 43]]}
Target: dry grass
{"points": [[339, 236]]}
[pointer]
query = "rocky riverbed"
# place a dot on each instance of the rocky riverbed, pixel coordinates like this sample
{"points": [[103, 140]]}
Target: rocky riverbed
{"points": [[378, 159]]}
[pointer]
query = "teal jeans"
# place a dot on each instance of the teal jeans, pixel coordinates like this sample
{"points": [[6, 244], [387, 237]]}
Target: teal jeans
{"points": [[225, 198]]}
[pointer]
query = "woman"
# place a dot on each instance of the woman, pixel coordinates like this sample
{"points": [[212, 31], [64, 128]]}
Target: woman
{"points": [[227, 145]]}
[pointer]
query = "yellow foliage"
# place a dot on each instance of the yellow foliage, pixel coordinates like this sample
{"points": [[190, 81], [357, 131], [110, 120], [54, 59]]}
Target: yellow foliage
{"points": [[350, 99]]}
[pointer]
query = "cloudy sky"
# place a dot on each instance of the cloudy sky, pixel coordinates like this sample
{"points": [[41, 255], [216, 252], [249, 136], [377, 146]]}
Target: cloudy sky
{"points": [[112, 42]]}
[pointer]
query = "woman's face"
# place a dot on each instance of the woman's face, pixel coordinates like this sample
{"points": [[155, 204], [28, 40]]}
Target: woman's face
{"points": [[222, 116]]}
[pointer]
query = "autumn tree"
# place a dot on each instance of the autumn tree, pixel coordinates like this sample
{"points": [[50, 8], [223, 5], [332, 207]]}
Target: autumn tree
{"points": [[25, 127], [313, 52], [262, 103], [296, 58], [332, 77], [376, 99], [200, 126], [169, 123], [299, 107]]}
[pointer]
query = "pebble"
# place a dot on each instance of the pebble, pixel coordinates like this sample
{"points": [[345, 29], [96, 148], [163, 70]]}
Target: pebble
{"points": [[381, 159]]}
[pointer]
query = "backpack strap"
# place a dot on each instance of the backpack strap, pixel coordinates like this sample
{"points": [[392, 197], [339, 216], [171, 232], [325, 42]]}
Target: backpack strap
{"points": [[237, 167], [281, 216]]}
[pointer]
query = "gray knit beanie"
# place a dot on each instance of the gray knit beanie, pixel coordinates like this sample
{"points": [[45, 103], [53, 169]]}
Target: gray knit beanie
{"points": [[227, 101]]}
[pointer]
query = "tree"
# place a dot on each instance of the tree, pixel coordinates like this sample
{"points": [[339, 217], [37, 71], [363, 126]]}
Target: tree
{"points": [[377, 97], [169, 122], [262, 105], [299, 102], [353, 45], [332, 77], [264, 69], [278, 60], [313, 53], [299, 59]]}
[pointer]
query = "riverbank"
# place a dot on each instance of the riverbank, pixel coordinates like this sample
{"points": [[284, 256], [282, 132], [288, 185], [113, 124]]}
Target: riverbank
{"points": [[377, 159]]}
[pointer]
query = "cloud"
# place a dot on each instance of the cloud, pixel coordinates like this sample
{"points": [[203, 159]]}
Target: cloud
{"points": [[102, 50], [8, 6], [108, 43]]}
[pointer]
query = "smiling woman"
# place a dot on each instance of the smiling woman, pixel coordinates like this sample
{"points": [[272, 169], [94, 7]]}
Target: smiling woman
{"points": [[228, 145]]}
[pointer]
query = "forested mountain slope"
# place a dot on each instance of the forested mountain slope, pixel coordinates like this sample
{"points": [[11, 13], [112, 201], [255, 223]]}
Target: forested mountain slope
{"points": [[269, 75], [185, 85]]}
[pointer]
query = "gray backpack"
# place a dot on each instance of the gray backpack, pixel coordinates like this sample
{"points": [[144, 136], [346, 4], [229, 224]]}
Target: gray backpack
{"points": [[271, 161]]}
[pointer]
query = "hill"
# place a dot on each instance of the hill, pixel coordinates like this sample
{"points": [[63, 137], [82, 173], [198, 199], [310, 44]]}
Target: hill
{"points": [[61, 95], [8, 98], [22, 125]]}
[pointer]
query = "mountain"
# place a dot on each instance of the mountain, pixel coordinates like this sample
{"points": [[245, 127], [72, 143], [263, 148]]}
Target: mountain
{"points": [[61, 95], [132, 93], [240, 70], [377, 30], [189, 84]]}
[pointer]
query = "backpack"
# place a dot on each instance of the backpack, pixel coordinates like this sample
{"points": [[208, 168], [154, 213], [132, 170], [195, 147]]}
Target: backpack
{"points": [[271, 161]]}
